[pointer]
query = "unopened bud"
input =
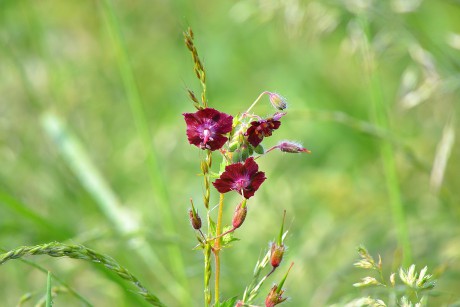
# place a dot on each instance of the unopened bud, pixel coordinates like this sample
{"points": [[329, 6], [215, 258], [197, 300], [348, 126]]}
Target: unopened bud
{"points": [[277, 101], [274, 297], [240, 214], [278, 115], [276, 254], [291, 147], [195, 220]]}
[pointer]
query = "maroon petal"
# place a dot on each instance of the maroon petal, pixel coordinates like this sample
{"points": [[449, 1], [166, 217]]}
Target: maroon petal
{"points": [[206, 127], [253, 137], [222, 185], [242, 178], [218, 142], [251, 166], [257, 180], [260, 129], [276, 124], [227, 179]]}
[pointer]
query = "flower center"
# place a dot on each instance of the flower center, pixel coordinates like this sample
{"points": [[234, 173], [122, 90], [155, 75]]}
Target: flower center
{"points": [[241, 183]]}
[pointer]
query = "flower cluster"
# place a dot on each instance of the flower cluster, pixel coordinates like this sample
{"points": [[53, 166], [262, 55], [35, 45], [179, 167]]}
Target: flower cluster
{"points": [[239, 140], [209, 129]]}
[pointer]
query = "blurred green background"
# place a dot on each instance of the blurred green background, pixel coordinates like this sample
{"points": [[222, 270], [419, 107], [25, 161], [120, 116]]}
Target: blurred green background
{"points": [[93, 147]]}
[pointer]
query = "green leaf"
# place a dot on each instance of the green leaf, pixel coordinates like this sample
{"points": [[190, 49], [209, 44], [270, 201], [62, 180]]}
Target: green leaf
{"points": [[228, 238], [259, 149], [227, 303], [223, 164], [212, 228]]}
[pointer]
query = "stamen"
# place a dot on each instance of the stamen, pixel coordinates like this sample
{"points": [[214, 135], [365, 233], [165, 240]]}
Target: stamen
{"points": [[207, 136]]}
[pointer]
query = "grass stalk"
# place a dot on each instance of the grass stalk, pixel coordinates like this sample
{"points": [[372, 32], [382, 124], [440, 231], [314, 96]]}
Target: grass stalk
{"points": [[68, 288], [55, 249], [380, 118]]}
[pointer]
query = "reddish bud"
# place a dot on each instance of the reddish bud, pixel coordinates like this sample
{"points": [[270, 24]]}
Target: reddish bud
{"points": [[291, 147], [240, 214], [195, 220], [276, 254], [274, 297]]}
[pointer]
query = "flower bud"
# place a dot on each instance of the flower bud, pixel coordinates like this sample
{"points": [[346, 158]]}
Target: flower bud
{"points": [[274, 297], [291, 147], [276, 254], [278, 115], [195, 220], [277, 248], [240, 214], [277, 101]]}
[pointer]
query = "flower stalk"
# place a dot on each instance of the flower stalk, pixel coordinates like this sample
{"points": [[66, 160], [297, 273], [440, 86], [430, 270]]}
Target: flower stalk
{"points": [[217, 247], [238, 140]]}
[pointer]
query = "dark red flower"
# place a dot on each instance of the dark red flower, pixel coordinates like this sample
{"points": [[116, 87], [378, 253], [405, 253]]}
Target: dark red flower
{"points": [[242, 178], [205, 128], [262, 128]]}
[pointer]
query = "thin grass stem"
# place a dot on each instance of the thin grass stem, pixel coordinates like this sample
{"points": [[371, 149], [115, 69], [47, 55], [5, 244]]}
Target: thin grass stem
{"points": [[49, 297], [158, 182], [380, 118], [69, 289]]}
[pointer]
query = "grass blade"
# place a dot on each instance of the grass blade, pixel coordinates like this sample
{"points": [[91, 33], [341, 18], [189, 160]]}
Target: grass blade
{"points": [[55, 249], [158, 182]]}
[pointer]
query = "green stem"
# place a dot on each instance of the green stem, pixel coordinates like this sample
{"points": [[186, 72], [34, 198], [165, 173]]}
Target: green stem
{"points": [[207, 274], [217, 247], [49, 297], [205, 166], [255, 102], [380, 118]]}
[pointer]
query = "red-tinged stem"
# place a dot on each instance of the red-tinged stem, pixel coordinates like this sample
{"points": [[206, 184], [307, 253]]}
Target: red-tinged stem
{"points": [[223, 234]]}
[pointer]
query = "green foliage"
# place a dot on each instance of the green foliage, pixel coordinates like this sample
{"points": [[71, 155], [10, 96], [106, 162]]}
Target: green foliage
{"points": [[114, 74], [410, 290]]}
